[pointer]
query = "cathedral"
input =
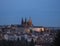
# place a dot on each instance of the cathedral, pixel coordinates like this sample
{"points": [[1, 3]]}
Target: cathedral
{"points": [[26, 23]]}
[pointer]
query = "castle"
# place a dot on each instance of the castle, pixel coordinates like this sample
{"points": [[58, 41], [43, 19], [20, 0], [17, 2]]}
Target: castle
{"points": [[12, 32], [29, 25]]}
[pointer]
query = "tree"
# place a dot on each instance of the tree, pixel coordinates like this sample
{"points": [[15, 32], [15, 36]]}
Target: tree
{"points": [[32, 43], [26, 42], [18, 42], [56, 41], [31, 31]]}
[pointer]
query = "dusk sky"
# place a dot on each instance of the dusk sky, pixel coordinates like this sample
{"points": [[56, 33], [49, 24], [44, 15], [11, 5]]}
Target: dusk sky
{"points": [[42, 12]]}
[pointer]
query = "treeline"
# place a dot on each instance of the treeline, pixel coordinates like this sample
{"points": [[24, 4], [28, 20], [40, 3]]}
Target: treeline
{"points": [[56, 41], [17, 43]]}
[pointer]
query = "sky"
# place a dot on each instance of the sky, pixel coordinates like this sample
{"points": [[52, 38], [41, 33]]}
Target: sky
{"points": [[42, 12]]}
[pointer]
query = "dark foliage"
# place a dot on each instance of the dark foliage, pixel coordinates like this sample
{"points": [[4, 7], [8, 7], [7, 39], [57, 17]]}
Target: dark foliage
{"points": [[32, 43], [56, 41], [16, 43]]}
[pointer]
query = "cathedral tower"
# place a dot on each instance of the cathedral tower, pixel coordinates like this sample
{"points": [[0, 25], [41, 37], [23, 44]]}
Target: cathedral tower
{"points": [[30, 22], [26, 23], [22, 21]]}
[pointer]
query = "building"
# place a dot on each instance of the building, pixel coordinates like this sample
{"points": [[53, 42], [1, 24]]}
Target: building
{"points": [[27, 30], [29, 25]]}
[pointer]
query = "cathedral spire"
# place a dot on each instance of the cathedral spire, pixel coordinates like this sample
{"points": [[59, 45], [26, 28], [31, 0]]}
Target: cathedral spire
{"points": [[25, 20], [30, 21], [22, 21]]}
